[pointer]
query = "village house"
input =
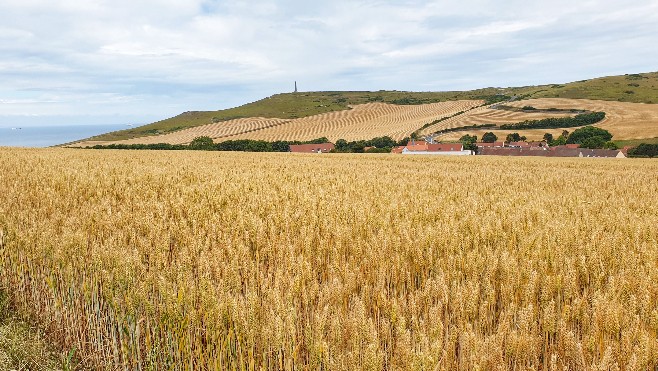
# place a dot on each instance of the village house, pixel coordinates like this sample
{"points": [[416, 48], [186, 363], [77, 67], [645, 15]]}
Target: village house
{"points": [[608, 153], [398, 149], [311, 148], [423, 148], [560, 152], [565, 146], [490, 145]]}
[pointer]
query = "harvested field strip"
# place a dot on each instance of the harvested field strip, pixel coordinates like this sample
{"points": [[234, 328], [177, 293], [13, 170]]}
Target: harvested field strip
{"points": [[486, 115], [363, 122], [216, 130], [623, 120]]}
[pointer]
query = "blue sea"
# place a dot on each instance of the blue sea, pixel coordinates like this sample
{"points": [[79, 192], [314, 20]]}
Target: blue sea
{"points": [[46, 136]]}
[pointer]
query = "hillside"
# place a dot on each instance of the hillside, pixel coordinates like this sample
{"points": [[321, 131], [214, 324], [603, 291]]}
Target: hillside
{"points": [[295, 105], [299, 116], [368, 120], [624, 120]]}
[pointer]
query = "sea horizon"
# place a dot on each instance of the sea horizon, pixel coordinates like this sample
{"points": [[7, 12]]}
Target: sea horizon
{"points": [[32, 136]]}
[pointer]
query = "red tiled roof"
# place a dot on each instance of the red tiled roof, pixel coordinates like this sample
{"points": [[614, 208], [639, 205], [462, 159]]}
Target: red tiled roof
{"points": [[417, 147], [311, 148], [444, 147]]}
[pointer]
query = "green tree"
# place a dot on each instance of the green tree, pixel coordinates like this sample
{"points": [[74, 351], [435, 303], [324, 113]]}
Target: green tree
{"points": [[381, 142], [404, 141], [489, 137], [548, 137], [610, 145], [580, 135], [593, 142], [318, 141], [514, 137], [202, 144], [469, 142], [644, 150], [560, 141]]}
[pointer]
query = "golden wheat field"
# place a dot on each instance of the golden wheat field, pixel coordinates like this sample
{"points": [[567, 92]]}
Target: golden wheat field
{"points": [[623, 120], [236, 261]]}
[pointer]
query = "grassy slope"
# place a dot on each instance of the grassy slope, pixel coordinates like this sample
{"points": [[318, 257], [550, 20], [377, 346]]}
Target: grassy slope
{"points": [[294, 105], [634, 88]]}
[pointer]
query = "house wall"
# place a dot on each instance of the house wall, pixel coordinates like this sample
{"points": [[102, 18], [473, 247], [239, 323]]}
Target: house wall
{"points": [[448, 153]]}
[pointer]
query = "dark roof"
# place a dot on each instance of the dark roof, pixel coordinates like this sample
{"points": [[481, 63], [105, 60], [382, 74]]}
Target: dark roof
{"points": [[599, 152], [444, 147], [494, 144], [311, 148]]}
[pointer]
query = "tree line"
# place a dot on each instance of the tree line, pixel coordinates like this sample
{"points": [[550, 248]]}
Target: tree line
{"points": [[587, 137], [205, 143], [557, 122]]}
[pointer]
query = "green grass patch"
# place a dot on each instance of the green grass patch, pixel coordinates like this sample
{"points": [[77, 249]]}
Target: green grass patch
{"points": [[24, 346], [635, 142]]}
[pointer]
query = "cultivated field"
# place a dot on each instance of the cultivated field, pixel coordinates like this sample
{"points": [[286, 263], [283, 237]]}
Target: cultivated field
{"points": [[216, 131], [365, 121], [207, 260], [623, 120]]}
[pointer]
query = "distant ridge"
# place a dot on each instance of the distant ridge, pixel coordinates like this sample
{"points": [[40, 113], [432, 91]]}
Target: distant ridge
{"points": [[633, 88]]}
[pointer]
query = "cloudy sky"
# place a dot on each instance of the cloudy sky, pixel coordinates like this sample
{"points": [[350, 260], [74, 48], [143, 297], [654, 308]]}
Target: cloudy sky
{"points": [[136, 61]]}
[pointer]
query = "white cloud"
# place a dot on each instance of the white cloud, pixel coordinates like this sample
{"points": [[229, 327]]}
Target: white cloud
{"points": [[158, 57]]}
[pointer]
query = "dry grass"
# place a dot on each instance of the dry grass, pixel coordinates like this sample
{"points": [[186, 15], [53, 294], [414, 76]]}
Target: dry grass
{"points": [[623, 120], [206, 260]]}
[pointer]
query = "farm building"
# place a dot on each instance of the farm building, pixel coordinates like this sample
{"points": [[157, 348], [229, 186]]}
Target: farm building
{"points": [[565, 146], [453, 149], [561, 152], [490, 145], [311, 148]]}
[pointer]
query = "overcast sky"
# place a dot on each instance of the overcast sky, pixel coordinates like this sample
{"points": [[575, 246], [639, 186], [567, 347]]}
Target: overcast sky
{"points": [[136, 61]]}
